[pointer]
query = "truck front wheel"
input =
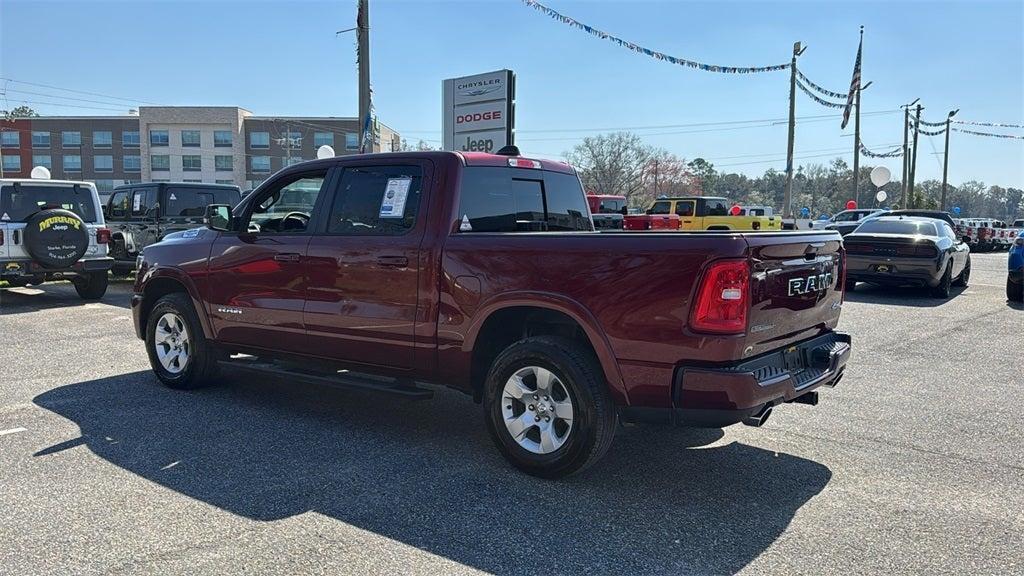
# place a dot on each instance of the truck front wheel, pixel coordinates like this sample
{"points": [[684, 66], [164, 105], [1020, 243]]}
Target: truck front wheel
{"points": [[179, 353], [547, 406]]}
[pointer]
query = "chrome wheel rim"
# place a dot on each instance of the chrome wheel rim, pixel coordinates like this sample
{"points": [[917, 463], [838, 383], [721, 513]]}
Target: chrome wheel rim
{"points": [[537, 410], [171, 343]]}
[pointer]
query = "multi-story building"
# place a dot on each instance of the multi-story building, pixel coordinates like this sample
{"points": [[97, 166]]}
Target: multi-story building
{"points": [[215, 144]]}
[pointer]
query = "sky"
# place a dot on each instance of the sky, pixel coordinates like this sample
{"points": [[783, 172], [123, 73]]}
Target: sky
{"points": [[283, 58]]}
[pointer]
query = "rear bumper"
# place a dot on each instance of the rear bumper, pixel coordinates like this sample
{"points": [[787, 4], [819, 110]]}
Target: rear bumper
{"points": [[715, 397], [900, 271], [16, 268]]}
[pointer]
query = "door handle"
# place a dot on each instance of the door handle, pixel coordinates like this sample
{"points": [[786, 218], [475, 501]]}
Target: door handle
{"points": [[287, 257], [397, 261]]}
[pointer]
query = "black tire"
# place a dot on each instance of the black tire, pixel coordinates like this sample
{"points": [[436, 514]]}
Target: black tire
{"points": [[965, 275], [122, 271], [56, 238], [594, 414], [91, 286], [851, 285], [1014, 290], [942, 290], [200, 369]]}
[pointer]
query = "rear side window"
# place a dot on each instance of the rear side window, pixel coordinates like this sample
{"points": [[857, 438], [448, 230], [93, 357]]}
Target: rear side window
{"points": [[510, 200], [17, 203], [717, 208], [192, 202], [376, 201], [684, 208]]}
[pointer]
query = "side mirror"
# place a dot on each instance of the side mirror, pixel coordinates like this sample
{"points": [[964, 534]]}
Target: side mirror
{"points": [[218, 217], [624, 211]]}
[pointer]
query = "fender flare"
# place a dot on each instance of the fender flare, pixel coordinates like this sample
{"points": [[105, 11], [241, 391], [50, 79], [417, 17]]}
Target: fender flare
{"points": [[571, 308], [179, 276]]}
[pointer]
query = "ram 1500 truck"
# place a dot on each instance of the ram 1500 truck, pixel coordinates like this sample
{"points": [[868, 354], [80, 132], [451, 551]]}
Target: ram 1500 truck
{"points": [[482, 272]]}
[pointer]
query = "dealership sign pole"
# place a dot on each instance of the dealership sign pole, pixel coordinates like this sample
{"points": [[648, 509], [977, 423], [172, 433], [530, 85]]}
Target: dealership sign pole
{"points": [[479, 112]]}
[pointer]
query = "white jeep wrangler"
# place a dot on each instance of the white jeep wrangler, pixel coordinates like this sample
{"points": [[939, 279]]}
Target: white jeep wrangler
{"points": [[53, 230]]}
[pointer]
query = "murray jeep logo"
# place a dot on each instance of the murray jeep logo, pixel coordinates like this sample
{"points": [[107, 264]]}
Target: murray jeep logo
{"points": [[808, 284], [59, 223]]}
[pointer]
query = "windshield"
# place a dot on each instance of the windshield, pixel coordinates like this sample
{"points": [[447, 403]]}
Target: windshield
{"points": [[18, 202], [906, 227], [611, 205]]}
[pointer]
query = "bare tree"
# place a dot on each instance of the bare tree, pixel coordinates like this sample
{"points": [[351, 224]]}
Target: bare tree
{"points": [[613, 164]]}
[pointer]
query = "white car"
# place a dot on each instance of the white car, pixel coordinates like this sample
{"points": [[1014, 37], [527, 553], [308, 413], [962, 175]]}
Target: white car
{"points": [[53, 230]]}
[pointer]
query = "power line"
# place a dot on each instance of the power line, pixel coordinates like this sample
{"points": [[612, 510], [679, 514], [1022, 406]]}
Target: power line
{"points": [[59, 105], [62, 97], [78, 91]]}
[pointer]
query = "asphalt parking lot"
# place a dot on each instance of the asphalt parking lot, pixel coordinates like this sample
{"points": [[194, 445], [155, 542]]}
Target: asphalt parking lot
{"points": [[912, 465]]}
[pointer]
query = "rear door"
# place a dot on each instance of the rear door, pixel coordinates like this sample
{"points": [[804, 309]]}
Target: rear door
{"points": [[796, 287], [686, 210]]}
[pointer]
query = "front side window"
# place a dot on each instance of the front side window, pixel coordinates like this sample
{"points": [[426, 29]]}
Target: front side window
{"points": [[133, 163], [103, 163], [160, 162], [190, 138], [259, 140], [376, 201], [42, 160], [72, 163], [159, 138], [661, 207], [71, 139], [260, 163], [351, 141], [40, 139], [286, 208], [192, 202], [119, 204], [12, 163], [102, 139], [223, 163], [222, 138], [191, 163], [130, 138], [10, 139], [323, 139]]}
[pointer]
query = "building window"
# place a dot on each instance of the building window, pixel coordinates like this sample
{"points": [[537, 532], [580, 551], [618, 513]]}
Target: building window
{"points": [[293, 161], [133, 163], [223, 163], [222, 138], [71, 139], [130, 138], [191, 163], [12, 163], [293, 140], [40, 139], [160, 180], [323, 139], [103, 163], [42, 160], [253, 184], [130, 182], [160, 162], [230, 182], [351, 141], [102, 139], [190, 139], [159, 138], [10, 139], [72, 163], [104, 186], [193, 180], [259, 140], [260, 163]]}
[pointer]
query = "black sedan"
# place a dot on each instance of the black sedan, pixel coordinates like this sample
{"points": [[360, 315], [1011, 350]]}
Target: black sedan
{"points": [[907, 251]]}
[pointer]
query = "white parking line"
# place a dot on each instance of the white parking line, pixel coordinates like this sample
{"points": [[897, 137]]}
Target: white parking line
{"points": [[11, 431]]}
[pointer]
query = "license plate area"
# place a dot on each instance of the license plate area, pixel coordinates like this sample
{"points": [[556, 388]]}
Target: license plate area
{"points": [[793, 359], [883, 268]]}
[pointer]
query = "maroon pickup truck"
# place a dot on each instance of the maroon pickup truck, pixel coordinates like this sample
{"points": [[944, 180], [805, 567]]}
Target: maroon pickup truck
{"points": [[482, 272]]}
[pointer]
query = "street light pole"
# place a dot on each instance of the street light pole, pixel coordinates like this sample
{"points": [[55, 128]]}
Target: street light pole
{"points": [[913, 160], [945, 159]]}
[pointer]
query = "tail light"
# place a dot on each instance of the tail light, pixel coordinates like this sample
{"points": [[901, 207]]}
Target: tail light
{"points": [[102, 236], [859, 249], [921, 250], [723, 298]]}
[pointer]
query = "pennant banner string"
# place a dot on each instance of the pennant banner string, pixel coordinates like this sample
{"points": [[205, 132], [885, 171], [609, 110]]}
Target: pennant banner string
{"points": [[923, 123], [828, 93], [991, 124], [925, 132], [989, 134], [652, 53], [819, 100], [895, 153]]}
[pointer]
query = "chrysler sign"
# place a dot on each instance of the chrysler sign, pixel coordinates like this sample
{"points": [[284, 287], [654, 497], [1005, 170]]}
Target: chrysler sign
{"points": [[479, 112]]}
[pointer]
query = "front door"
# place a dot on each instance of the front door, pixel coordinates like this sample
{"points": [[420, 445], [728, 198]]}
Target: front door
{"points": [[257, 276], [365, 267]]}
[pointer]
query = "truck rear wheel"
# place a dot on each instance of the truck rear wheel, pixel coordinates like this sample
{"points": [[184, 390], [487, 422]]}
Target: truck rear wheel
{"points": [[547, 406], [91, 286], [1014, 290], [178, 351]]}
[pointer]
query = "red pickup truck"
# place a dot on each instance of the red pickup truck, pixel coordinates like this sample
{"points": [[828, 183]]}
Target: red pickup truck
{"points": [[482, 272]]}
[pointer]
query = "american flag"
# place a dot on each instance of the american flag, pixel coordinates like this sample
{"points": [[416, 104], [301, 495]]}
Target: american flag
{"points": [[854, 85]]}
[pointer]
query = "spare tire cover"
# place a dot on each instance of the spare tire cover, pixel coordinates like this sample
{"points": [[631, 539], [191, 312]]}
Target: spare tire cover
{"points": [[56, 238]]}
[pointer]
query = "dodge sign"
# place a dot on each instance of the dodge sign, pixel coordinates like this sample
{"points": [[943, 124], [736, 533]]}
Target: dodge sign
{"points": [[479, 112]]}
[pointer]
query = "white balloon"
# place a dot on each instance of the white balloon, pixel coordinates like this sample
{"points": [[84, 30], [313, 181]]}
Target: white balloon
{"points": [[880, 176], [324, 151], [40, 173], [881, 196]]}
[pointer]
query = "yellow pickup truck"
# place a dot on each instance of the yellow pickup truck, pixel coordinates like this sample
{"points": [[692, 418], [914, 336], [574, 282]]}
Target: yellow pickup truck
{"points": [[710, 213]]}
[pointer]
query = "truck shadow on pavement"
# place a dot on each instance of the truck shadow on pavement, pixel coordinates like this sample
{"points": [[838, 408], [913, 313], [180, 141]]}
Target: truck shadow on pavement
{"points": [[60, 295], [901, 296], [426, 474]]}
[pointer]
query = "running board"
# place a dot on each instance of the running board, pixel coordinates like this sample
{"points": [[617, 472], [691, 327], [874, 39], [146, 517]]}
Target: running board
{"points": [[342, 379]]}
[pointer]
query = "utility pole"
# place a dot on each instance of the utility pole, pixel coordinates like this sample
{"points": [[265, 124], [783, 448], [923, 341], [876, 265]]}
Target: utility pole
{"points": [[856, 143], [906, 152], [945, 158], [363, 39], [656, 177], [913, 160], [787, 201]]}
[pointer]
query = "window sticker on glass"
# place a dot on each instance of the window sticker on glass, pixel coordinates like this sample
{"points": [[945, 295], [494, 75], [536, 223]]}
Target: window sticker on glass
{"points": [[137, 203], [395, 194]]}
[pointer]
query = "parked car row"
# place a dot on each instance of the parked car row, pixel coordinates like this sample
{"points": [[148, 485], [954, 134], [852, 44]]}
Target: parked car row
{"points": [[986, 235]]}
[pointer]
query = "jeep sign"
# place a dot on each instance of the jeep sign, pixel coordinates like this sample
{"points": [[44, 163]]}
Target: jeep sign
{"points": [[479, 112]]}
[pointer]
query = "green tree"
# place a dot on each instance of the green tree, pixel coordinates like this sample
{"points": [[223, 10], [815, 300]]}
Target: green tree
{"points": [[19, 112]]}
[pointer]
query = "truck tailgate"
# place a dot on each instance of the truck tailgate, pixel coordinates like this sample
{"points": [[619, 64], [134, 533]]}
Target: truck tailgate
{"points": [[796, 287]]}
